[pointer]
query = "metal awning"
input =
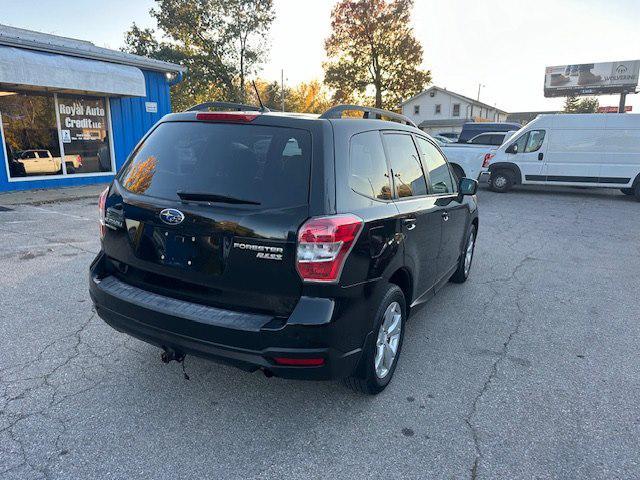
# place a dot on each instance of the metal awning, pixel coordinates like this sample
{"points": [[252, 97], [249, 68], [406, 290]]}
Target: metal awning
{"points": [[50, 71]]}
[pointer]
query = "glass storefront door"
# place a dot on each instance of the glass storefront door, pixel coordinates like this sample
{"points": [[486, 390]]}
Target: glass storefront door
{"points": [[84, 133]]}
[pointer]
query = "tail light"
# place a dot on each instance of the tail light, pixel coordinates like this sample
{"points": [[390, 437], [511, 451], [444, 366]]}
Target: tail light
{"points": [[79, 160], [487, 159], [101, 208], [323, 246]]}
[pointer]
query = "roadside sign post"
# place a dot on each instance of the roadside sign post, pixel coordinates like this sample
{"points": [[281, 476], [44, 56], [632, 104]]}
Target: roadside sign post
{"points": [[623, 98]]}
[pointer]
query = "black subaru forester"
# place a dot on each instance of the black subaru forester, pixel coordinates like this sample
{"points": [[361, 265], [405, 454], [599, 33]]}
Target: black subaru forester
{"points": [[296, 244]]}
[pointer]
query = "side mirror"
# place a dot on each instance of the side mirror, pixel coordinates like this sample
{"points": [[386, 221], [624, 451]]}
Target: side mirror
{"points": [[513, 148], [467, 186]]}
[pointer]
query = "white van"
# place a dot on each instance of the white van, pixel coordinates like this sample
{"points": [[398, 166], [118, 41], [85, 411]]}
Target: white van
{"points": [[591, 150]]}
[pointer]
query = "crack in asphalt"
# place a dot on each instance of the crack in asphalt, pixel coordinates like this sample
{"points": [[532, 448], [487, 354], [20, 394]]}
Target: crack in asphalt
{"points": [[501, 355], [11, 376]]}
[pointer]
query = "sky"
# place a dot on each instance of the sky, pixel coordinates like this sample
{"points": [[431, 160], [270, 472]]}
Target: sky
{"points": [[503, 45]]}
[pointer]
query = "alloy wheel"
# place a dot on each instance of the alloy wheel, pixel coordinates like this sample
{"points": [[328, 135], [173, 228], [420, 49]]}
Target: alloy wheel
{"points": [[468, 254], [388, 340]]}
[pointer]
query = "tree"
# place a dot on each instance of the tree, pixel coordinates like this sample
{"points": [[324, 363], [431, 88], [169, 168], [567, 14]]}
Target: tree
{"points": [[221, 42], [270, 94], [372, 46], [306, 97], [583, 105], [309, 97]]}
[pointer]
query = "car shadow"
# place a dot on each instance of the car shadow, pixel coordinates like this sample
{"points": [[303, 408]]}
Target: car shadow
{"points": [[590, 192]]}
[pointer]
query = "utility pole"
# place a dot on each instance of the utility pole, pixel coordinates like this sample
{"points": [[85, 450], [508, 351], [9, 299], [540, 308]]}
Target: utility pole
{"points": [[282, 87], [479, 87]]}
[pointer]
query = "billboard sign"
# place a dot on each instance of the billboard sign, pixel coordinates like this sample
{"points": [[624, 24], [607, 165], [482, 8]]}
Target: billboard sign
{"points": [[591, 78]]}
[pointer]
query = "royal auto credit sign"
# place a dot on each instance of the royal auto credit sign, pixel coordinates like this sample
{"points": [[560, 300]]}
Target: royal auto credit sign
{"points": [[591, 78]]}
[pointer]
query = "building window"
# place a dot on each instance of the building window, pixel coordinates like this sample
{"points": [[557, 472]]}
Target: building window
{"points": [[30, 134], [438, 109], [416, 109], [456, 109], [52, 135]]}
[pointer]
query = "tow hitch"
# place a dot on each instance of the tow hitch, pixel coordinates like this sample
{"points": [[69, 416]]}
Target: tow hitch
{"points": [[169, 355]]}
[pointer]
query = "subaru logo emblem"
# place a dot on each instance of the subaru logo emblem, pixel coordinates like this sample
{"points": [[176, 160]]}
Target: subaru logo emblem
{"points": [[171, 216]]}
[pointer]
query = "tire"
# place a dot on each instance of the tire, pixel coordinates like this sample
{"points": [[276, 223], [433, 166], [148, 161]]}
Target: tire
{"points": [[627, 191], [458, 172], [501, 181], [462, 273], [368, 379], [637, 191]]}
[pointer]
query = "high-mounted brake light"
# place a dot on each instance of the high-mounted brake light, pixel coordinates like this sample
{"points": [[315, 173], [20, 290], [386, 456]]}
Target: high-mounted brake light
{"points": [[229, 117], [101, 209], [487, 159], [323, 246]]}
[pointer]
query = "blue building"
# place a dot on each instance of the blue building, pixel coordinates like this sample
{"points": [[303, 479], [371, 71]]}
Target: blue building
{"points": [[71, 112]]}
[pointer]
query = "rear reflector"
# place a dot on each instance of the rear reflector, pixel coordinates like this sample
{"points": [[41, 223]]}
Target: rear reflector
{"points": [[229, 117], [323, 246], [299, 362]]}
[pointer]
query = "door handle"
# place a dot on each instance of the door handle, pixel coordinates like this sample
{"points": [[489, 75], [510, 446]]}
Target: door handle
{"points": [[445, 216], [410, 223], [540, 156]]}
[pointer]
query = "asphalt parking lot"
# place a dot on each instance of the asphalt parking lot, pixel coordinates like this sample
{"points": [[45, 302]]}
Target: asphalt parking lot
{"points": [[529, 370]]}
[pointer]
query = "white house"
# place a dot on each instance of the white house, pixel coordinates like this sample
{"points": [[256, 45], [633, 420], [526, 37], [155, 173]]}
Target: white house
{"points": [[439, 110]]}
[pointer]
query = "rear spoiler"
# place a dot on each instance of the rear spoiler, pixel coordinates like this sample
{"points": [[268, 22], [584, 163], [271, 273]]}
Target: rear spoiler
{"points": [[240, 107]]}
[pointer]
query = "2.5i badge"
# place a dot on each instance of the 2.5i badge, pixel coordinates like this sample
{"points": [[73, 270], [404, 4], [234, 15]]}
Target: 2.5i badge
{"points": [[262, 251]]}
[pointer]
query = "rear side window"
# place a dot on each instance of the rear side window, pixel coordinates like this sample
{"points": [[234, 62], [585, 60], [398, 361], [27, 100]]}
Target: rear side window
{"points": [[405, 163], [266, 165], [496, 140], [368, 174], [481, 139], [438, 168]]}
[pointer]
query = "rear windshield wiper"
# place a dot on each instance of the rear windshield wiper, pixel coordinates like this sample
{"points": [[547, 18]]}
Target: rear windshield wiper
{"points": [[213, 197]]}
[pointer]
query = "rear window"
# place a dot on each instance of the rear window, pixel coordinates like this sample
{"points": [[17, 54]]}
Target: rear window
{"points": [[266, 165]]}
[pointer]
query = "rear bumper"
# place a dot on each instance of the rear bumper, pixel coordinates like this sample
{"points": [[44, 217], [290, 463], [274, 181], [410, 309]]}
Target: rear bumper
{"points": [[247, 341]]}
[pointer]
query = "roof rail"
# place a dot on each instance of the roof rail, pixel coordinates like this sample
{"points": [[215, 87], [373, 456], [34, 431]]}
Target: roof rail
{"points": [[368, 112], [240, 107]]}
